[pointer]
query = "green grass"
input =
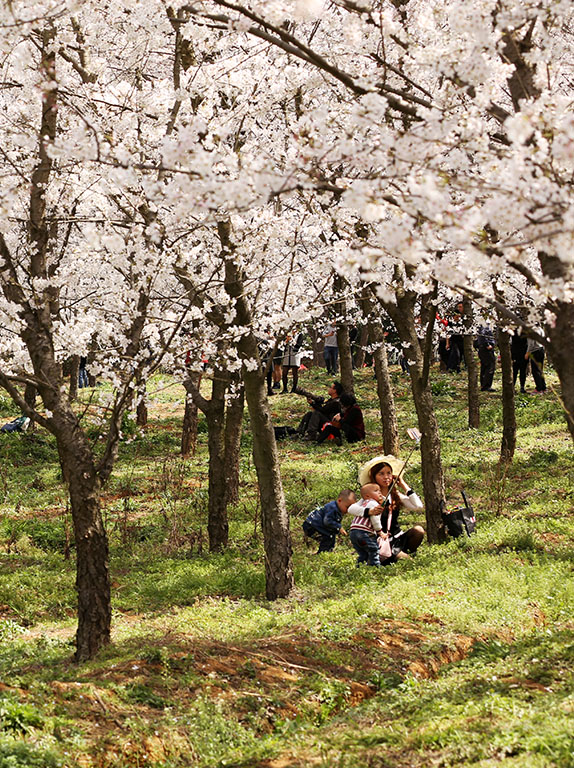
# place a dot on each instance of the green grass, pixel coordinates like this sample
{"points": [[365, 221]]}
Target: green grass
{"points": [[461, 657]]}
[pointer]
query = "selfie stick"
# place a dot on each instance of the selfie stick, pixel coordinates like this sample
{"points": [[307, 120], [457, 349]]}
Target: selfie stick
{"points": [[415, 435]]}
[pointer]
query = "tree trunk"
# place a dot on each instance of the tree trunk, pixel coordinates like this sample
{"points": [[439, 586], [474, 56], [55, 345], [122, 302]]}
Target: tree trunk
{"points": [[508, 411], [402, 314], [190, 421], [472, 368], [317, 347], [92, 575], [345, 359], [274, 518], [362, 342], [389, 424], [92, 556], [431, 464], [560, 348], [30, 394], [141, 408], [343, 341], [74, 374], [232, 445], [561, 336], [214, 411], [217, 526]]}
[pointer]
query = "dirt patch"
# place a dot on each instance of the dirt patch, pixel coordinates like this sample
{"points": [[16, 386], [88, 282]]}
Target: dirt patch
{"points": [[403, 645], [258, 684]]}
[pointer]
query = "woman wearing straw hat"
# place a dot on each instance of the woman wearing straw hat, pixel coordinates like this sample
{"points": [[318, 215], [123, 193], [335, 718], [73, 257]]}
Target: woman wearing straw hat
{"points": [[386, 471]]}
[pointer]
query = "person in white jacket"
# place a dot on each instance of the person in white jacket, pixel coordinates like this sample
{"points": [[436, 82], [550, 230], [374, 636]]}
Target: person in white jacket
{"points": [[383, 470]]}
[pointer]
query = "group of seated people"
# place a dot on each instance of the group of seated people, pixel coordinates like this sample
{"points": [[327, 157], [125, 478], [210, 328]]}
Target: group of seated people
{"points": [[333, 418], [375, 532]]}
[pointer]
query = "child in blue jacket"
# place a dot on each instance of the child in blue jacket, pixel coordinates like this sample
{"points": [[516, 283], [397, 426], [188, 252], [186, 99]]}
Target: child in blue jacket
{"points": [[323, 524]]}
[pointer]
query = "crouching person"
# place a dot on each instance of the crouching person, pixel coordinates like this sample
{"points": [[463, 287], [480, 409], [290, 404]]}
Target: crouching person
{"points": [[323, 524]]}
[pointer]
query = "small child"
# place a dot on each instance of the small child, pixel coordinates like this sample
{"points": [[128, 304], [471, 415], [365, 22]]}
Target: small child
{"points": [[323, 524], [366, 528]]}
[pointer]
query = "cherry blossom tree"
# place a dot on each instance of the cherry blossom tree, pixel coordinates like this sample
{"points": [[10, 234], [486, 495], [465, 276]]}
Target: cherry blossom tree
{"points": [[437, 123]]}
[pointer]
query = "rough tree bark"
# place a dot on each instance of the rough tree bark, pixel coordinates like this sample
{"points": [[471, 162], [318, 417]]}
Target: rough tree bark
{"points": [[141, 407], [232, 444], [472, 367], [343, 341], [362, 341], [30, 394], [389, 424], [190, 421], [214, 411], [74, 374], [403, 316], [39, 315], [274, 519], [560, 334], [508, 411]]}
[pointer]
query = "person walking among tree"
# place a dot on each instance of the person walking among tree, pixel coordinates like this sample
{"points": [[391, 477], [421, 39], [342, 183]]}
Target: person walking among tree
{"points": [[83, 380], [331, 349], [518, 349], [454, 341], [292, 360], [485, 345], [535, 353]]}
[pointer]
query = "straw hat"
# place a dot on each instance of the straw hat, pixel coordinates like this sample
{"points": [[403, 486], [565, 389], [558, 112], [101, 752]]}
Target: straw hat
{"points": [[365, 471]]}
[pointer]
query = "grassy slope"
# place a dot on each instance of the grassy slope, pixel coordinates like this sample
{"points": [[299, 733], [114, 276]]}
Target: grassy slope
{"points": [[462, 656]]}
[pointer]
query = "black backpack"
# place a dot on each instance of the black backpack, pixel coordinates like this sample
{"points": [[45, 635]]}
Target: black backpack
{"points": [[460, 519]]}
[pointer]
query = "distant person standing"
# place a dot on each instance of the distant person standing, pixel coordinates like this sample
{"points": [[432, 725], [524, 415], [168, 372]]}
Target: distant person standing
{"points": [[518, 349], [535, 353], [454, 341], [83, 380], [485, 345], [331, 349], [292, 360]]}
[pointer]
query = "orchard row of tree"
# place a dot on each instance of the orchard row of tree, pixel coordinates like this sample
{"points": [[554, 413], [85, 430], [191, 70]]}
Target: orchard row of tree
{"points": [[202, 177]]}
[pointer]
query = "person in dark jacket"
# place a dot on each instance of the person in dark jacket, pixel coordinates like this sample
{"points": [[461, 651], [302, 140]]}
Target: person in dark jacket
{"points": [[485, 345], [518, 346], [349, 423], [455, 341], [324, 523], [535, 353], [321, 412]]}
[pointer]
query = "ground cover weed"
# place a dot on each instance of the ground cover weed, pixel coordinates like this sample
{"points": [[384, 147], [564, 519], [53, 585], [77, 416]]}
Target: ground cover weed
{"points": [[507, 592]]}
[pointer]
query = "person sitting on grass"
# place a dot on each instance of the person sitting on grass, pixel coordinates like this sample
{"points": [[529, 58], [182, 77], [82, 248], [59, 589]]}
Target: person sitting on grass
{"points": [[386, 472], [323, 524], [321, 412], [366, 527], [349, 423]]}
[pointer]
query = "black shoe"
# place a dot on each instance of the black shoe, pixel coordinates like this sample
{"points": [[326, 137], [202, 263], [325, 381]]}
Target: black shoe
{"points": [[277, 385], [270, 392]]}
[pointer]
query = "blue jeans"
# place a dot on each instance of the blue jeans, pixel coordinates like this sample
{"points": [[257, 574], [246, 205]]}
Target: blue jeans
{"points": [[331, 355], [366, 546], [326, 540]]}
